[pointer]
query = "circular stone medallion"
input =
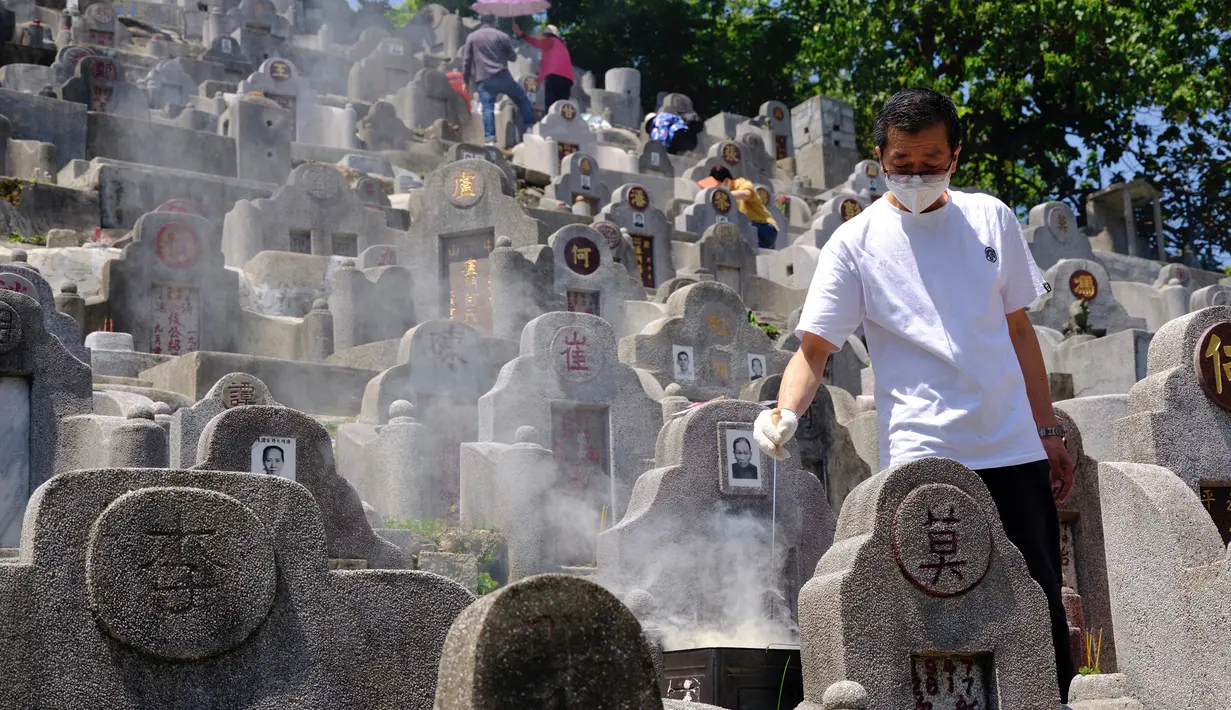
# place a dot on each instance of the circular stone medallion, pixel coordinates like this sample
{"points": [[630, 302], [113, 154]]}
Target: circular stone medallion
{"points": [[177, 245], [179, 573], [465, 187], [941, 540], [581, 255], [576, 353], [610, 232], [1083, 285], [1212, 363], [849, 208]]}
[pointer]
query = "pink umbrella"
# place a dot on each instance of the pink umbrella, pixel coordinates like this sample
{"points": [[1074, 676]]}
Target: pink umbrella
{"points": [[510, 8]]}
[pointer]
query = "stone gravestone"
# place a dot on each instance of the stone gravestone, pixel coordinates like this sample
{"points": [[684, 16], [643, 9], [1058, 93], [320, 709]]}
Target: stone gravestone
{"points": [[67, 59], [169, 288], [593, 411], [381, 129], [490, 153], [829, 217], [1179, 416], [99, 83], [825, 446], [777, 131], [620, 244], [96, 24], [924, 602], [561, 133], [1083, 555], [279, 441], [314, 213], [168, 84], [1216, 295], [697, 535], [723, 253], [282, 83], [588, 278], [705, 344], [256, 26], [1069, 280], [653, 159], [443, 367], [632, 209], [447, 248], [1178, 273], [234, 390], [24, 279], [712, 206], [228, 54], [732, 155], [519, 647], [41, 384], [428, 98], [1053, 234], [1166, 555], [384, 71], [188, 589], [579, 180]]}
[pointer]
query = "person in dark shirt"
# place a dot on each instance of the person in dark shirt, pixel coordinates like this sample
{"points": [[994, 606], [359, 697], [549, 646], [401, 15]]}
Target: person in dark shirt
{"points": [[485, 63]]}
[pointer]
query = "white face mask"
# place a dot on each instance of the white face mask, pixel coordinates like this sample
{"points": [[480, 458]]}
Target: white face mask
{"points": [[918, 195]]}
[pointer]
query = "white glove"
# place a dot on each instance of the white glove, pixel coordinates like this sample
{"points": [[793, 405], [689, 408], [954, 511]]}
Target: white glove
{"points": [[772, 429]]}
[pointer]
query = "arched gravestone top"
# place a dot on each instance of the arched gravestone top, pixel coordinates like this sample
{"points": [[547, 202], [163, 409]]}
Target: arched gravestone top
{"points": [[383, 630], [896, 531], [227, 445], [237, 389], [520, 646], [207, 588], [23, 279]]}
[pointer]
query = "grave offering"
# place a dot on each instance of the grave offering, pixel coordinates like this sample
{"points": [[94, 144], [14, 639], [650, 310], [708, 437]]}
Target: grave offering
{"points": [[192, 579], [923, 600], [718, 535], [42, 384], [1072, 280], [703, 344]]}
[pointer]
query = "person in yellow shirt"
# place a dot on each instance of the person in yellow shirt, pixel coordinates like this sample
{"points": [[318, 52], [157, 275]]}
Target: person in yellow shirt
{"points": [[745, 194]]}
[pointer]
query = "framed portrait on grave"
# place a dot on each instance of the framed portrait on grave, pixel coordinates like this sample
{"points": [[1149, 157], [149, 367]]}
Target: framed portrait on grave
{"points": [[740, 470], [756, 366], [274, 456], [683, 366]]}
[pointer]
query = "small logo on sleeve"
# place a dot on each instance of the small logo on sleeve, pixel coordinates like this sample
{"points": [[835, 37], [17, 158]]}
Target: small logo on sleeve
{"points": [[990, 253], [1047, 287]]}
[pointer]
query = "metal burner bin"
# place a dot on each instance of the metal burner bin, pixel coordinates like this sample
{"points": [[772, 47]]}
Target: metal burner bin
{"points": [[735, 678]]}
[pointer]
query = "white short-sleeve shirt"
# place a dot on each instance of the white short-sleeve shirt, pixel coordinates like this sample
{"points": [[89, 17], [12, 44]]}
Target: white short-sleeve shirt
{"points": [[932, 291]]}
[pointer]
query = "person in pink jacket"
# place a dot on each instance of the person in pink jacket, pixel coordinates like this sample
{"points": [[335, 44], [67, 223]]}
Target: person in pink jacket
{"points": [[555, 68]]}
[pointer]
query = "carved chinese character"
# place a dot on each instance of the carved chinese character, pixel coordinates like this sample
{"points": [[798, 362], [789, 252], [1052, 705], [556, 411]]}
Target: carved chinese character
{"points": [[1213, 363], [239, 393], [1083, 285], [942, 540], [638, 198], [466, 187], [730, 154], [721, 201], [581, 255], [575, 354], [718, 326], [849, 209]]}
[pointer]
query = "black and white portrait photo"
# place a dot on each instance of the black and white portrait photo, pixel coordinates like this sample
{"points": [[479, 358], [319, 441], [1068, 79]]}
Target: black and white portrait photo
{"points": [[274, 456], [756, 367], [682, 363], [744, 459]]}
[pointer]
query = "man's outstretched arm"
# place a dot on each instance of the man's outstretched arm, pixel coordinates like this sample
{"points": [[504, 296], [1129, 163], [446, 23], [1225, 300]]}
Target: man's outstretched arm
{"points": [[774, 427]]}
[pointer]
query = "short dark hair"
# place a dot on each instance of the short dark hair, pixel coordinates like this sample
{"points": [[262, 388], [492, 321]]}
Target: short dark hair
{"points": [[720, 173], [265, 453], [912, 110], [743, 439]]}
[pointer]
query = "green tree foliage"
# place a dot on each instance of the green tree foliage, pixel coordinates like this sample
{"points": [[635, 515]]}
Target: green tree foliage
{"points": [[727, 55], [1055, 93]]}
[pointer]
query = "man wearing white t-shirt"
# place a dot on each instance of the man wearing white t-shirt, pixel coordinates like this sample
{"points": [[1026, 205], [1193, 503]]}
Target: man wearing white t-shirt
{"points": [[940, 282]]}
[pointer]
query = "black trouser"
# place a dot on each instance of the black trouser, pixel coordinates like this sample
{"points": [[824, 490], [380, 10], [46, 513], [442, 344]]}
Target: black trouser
{"points": [[1024, 500], [556, 88]]}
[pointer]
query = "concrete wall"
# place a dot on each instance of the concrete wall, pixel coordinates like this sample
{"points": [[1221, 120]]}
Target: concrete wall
{"points": [[159, 145], [37, 118]]}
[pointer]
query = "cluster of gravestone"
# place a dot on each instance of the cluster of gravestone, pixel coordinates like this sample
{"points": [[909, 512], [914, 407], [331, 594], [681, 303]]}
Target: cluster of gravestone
{"points": [[310, 399]]}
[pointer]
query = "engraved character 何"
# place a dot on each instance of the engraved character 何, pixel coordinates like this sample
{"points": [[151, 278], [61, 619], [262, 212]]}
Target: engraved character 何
{"points": [[581, 255], [943, 539], [1216, 351]]}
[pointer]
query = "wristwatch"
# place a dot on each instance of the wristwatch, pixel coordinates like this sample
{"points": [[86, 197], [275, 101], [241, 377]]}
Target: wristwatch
{"points": [[1046, 431]]}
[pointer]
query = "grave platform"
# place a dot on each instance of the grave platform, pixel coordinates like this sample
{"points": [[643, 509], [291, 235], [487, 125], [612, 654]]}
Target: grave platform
{"points": [[311, 387], [735, 678]]}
